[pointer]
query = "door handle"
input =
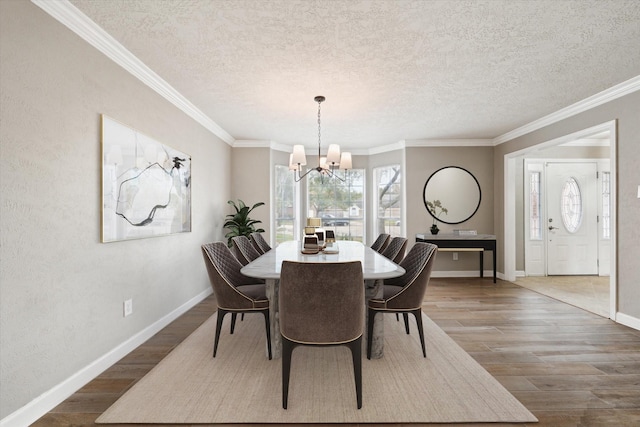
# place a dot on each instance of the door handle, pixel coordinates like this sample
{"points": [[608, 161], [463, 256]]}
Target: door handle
{"points": [[551, 227]]}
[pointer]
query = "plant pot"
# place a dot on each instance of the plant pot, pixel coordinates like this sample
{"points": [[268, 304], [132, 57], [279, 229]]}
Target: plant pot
{"points": [[434, 230]]}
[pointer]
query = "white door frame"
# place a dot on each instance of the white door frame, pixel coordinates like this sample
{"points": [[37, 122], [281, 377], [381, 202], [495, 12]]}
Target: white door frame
{"points": [[509, 251]]}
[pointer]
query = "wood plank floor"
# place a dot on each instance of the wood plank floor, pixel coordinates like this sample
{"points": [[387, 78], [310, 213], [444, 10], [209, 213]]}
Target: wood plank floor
{"points": [[569, 367]]}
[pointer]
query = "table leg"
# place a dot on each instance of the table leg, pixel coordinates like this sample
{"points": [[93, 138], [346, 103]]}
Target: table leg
{"points": [[274, 317], [494, 265], [482, 263], [374, 289]]}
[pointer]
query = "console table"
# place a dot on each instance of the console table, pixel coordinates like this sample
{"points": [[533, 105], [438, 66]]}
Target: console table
{"points": [[479, 242]]}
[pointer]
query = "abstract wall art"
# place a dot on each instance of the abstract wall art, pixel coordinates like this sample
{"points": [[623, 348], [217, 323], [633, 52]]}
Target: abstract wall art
{"points": [[146, 185]]}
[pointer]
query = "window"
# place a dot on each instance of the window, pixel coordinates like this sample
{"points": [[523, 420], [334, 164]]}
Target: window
{"points": [[388, 200], [339, 204], [571, 205], [606, 205], [535, 221], [285, 206]]}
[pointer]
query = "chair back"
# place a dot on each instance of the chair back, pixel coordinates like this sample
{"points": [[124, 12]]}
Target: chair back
{"points": [[321, 303], [417, 264], [395, 249], [381, 242], [245, 252], [259, 242], [224, 274]]}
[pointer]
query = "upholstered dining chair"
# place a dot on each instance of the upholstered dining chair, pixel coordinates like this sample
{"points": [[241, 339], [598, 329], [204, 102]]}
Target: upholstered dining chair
{"points": [[321, 304], [235, 293], [259, 242], [244, 249], [395, 249], [381, 242], [405, 294]]}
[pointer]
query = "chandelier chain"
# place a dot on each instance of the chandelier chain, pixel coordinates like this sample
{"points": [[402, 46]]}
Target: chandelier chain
{"points": [[319, 123]]}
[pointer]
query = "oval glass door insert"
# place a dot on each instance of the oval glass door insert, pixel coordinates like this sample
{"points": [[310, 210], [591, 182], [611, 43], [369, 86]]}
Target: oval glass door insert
{"points": [[571, 206]]}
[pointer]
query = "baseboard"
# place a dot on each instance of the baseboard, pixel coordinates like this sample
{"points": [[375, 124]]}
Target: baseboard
{"points": [[520, 273], [630, 321], [53, 397], [456, 273]]}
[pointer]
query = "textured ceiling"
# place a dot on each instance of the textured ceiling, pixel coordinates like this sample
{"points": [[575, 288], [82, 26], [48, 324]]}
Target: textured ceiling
{"points": [[391, 70]]}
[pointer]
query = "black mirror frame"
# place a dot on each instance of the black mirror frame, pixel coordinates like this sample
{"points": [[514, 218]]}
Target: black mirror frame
{"points": [[424, 200]]}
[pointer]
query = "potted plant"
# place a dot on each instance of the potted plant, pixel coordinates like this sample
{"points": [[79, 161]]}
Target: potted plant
{"points": [[436, 210], [239, 223]]}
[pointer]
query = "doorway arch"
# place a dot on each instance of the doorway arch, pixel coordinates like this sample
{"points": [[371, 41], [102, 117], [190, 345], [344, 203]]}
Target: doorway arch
{"points": [[509, 192]]}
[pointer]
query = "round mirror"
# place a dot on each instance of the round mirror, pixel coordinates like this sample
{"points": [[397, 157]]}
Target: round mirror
{"points": [[452, 195]]}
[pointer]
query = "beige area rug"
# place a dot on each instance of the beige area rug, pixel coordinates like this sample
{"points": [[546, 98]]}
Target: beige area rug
{"points": [[242, 386]]}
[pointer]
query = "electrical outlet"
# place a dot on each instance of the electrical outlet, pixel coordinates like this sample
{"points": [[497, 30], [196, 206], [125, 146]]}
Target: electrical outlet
{"points": [[455, 256], [128, 307]]}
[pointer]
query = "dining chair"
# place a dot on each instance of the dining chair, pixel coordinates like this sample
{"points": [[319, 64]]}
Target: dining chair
{"points": [[244, 249], [259, 243], [381, 242], [405, 294], [321, 304], [396, 249], [235, 293]]}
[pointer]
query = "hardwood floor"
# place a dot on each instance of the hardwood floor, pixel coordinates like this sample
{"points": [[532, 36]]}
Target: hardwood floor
{"points": [[569, 367]]}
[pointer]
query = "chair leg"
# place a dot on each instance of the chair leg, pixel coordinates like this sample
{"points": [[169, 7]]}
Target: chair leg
{"points": [[233, 321], [406, 322], [221, 314], [418, 314], [268, 328], [287, 349], [356, 355], [371, 315]]}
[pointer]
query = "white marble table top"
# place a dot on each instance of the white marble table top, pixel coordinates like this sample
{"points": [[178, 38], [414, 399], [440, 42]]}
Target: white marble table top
{"points": [[374, 265]]}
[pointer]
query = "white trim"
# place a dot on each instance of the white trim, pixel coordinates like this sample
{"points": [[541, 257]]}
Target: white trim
{"points": [[587, 142], [449, 142], [56, 395], [626, 320], [520, 273], [400, 145], [70, 16], [253, 143], [593, 101]]}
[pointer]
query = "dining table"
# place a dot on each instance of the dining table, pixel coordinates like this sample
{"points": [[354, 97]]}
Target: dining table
{"points": [[375, 268]]}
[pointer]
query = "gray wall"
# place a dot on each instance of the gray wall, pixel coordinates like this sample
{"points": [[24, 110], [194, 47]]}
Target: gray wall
{"points": [[421, 162], [626, 110], [250, 177], [62, 290]]}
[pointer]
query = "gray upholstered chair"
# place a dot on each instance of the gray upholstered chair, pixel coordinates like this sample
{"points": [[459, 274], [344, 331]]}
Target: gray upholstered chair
{"points": [[395, 249], [244, 249], [321, 304], [235, 293], [381, 242], [405, 294], [259, 243]]}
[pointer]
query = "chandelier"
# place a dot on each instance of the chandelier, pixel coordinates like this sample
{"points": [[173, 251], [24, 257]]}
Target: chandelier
{"points": [[327, 166]]}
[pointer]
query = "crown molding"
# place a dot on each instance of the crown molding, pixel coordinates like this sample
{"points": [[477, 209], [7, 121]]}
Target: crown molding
{"points": [[449, 142], [71, 17], [593, 101], [400, 145], [252, 143]]}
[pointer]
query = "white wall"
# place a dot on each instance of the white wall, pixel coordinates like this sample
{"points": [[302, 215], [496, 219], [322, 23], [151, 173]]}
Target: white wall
{"points": [[61, 289]]}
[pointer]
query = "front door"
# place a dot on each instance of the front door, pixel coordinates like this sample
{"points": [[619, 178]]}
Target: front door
{"points": [[572, 215]]}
